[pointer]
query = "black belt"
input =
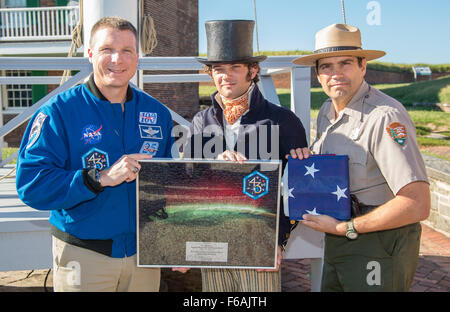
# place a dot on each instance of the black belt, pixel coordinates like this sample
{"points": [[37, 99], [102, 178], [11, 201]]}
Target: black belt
{"points": [[103, 246], [359, 209]]}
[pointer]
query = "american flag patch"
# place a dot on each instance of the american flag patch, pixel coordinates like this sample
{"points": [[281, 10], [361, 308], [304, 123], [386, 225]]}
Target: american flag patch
{"points": [[148, 118]]}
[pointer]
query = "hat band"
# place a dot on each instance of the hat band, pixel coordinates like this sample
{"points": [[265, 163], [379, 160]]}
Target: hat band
{"points": [[334, 49]]}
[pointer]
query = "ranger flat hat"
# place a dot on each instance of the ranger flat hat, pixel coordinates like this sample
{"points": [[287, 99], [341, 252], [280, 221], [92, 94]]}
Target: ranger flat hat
{"points": [[230, 41], [338, 40]]}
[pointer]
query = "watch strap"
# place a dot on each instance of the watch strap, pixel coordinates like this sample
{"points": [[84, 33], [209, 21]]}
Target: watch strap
{"points": [[351, 232], [90, 180]]}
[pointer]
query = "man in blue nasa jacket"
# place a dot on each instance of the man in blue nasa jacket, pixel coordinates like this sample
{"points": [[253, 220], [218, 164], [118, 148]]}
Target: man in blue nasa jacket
{"points": [[79, 159]]}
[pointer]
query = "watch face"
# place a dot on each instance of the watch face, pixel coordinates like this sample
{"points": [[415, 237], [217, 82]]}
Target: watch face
{"points": [[97, 176], [352, 235]]}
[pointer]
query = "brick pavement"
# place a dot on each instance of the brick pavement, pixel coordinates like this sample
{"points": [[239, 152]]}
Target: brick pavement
{"points": [[433, 270], [432, 275]]}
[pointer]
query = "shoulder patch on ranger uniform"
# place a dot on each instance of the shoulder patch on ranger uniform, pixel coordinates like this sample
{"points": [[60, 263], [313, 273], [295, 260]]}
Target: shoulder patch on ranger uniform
{"points": [[397, 132]]}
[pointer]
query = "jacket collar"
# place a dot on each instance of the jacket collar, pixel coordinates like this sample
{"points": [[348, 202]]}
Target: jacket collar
{"points": [[90, 84]]}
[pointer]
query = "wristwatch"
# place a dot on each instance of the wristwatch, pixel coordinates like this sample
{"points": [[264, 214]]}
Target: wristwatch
{"points": [[351, 232]]}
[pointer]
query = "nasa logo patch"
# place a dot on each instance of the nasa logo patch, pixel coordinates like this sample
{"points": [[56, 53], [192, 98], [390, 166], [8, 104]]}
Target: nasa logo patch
{"points": [[95, 159], [91, 134]]}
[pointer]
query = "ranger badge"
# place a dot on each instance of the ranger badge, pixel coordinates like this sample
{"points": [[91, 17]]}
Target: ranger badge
{"points": [[397, 132]]}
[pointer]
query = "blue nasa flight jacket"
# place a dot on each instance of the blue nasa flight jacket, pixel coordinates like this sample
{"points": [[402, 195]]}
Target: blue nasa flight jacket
{"points": [[79, 129]]}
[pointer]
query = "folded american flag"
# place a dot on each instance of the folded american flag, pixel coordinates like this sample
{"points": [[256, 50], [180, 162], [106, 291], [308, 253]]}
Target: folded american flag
{"points": [[319, 185]]}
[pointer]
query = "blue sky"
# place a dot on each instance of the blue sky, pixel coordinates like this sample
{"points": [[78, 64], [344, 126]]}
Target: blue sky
{"points": [[410, 31]]}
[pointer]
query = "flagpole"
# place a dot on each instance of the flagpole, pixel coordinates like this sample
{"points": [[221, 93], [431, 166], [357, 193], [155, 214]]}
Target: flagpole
{"points": [[256, 27], [343, 12]]}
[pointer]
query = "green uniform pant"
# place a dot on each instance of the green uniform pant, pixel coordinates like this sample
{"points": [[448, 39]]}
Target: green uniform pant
{"points": [[377, 261]]}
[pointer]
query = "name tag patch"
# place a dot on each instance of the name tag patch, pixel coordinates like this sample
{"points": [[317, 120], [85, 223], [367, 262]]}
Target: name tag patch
{"points": [[150, 148], [95, 159], [148, 118], [151, 132]]}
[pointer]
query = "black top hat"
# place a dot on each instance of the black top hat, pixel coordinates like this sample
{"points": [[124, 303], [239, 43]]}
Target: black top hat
{"points": [[230, 41]]}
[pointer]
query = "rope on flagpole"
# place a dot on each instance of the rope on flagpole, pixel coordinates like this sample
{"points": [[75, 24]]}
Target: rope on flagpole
{"points": [[77, 40], [148, 33]]}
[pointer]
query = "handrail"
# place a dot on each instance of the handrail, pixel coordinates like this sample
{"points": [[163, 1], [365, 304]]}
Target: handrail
{"points": [[145, 63], [27, 113], [52, 8]]}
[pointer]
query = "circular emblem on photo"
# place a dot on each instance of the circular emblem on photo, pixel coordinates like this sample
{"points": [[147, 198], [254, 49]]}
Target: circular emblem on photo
{"points": [[256, 185], [91, 134]]}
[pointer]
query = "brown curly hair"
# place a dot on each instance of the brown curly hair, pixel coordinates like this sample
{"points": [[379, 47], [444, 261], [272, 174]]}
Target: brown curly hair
{"points": [[208, 70]]}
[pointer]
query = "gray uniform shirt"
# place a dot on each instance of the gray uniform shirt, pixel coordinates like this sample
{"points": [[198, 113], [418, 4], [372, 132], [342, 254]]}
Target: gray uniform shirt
{"points": [[378, 135]]}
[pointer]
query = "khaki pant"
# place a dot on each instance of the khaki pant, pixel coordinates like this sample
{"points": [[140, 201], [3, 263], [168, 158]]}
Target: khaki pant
{"points": [[377, 261], [80, 269], [240, 280]]}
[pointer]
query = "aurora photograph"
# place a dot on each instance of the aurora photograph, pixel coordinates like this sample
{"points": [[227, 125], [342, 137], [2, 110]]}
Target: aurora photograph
{"points": [[208, 213]]}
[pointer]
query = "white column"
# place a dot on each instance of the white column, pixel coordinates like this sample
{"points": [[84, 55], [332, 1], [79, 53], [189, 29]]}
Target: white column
{"points": [[301, 96], [305, 242], [93, 10]]}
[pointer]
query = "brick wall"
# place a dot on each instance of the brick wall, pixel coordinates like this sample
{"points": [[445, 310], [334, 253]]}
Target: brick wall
{"points": [[438, 171], [47, 3], [440, 207], [14, 138], [176, 24]]}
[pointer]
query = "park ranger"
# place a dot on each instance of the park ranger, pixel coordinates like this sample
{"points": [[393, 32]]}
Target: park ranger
{"points": [[377, 250]]}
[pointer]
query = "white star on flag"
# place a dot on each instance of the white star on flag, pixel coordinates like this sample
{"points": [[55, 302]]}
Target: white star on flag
{"points": [[313, 212], [290, 193], [339, 193], [310, 170]]}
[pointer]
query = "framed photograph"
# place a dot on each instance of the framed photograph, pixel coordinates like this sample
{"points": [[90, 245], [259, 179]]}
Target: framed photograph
{"points": [[203, 213]]}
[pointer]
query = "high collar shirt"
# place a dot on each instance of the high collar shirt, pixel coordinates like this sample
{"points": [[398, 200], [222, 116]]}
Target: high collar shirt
{"points": [[232, 131]]}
